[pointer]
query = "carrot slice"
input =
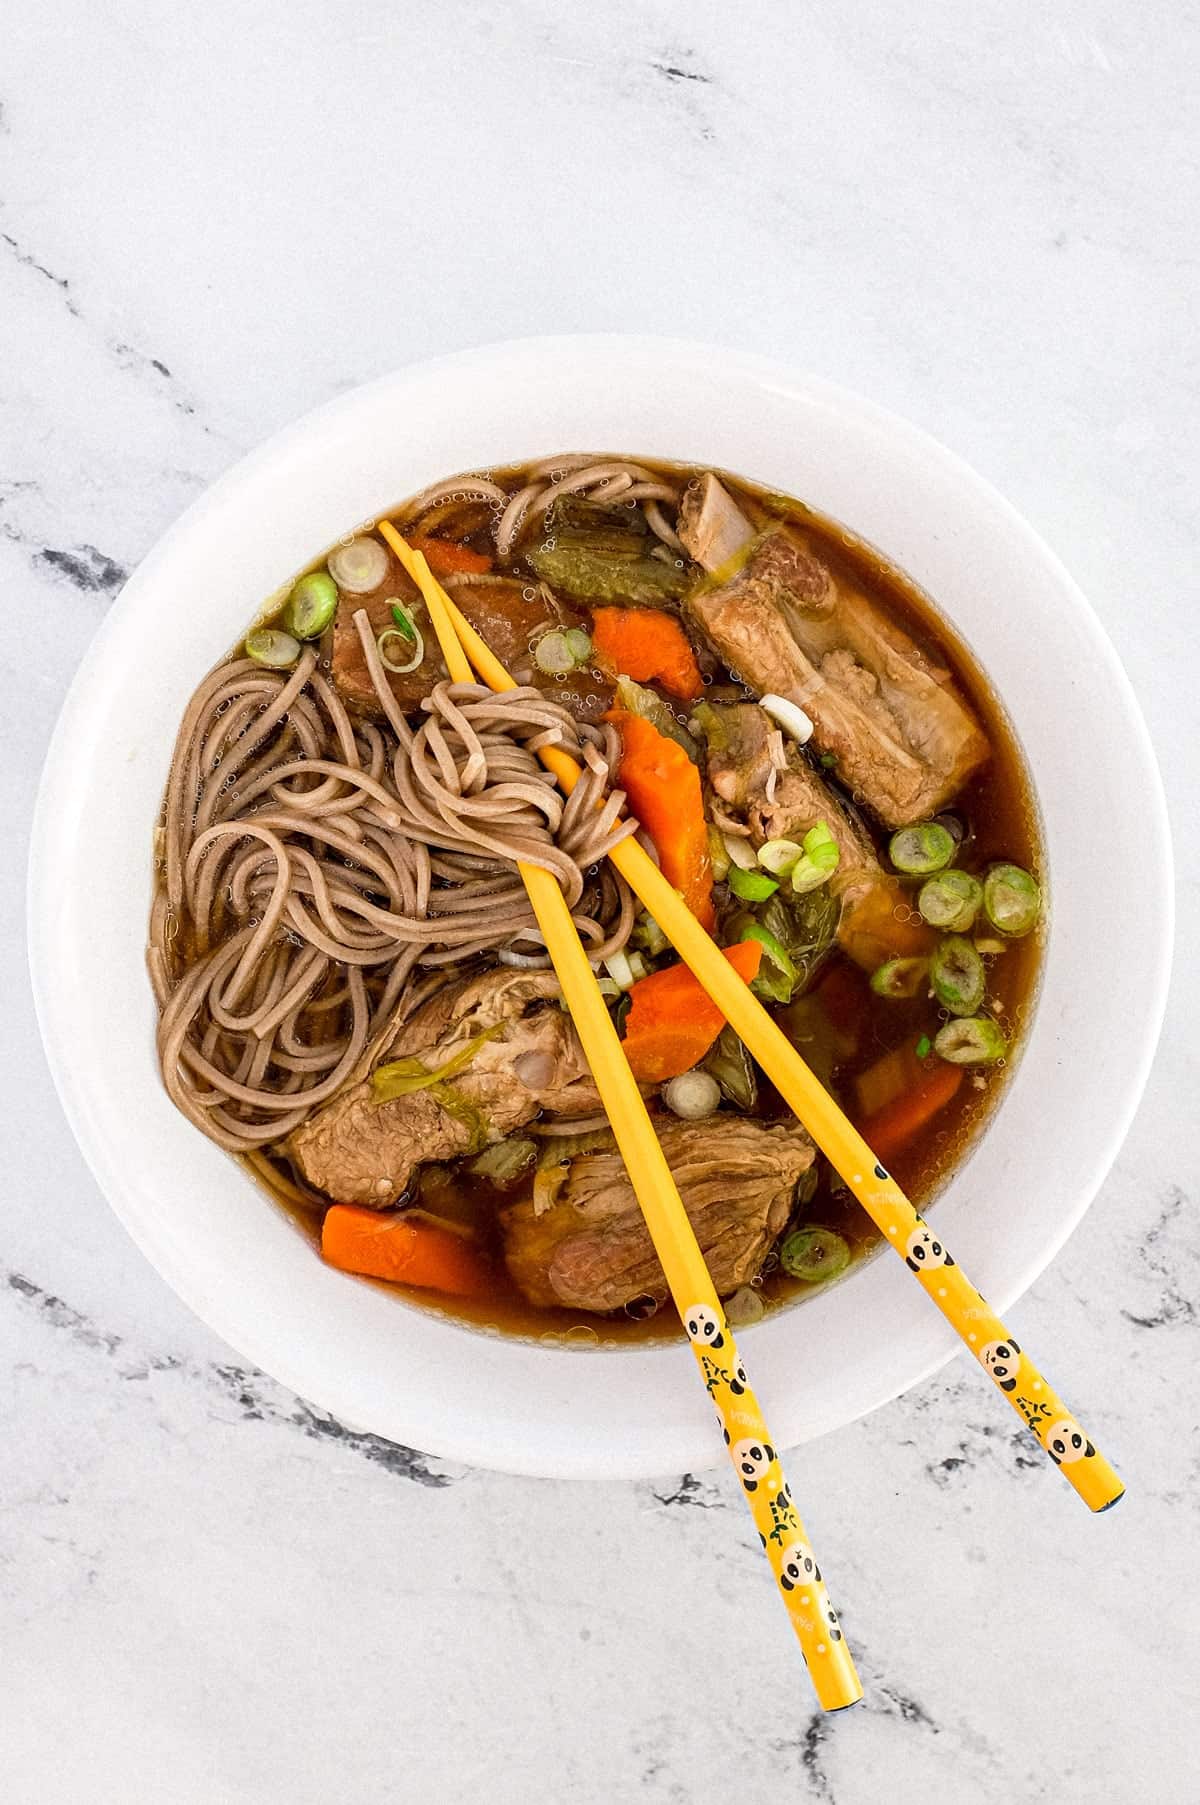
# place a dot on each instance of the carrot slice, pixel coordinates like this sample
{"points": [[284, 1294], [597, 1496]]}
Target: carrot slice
{"points": [[649, 646], [663, 787], [387, 1245], [891, 1128], [445, 556], [672, 1020]]}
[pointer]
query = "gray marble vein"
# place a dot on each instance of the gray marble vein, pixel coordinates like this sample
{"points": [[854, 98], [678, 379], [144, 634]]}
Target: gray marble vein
{"points": [[210, 220]]}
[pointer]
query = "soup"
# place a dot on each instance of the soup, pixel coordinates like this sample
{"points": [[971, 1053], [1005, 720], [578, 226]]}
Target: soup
{"points": [[353, 996]]}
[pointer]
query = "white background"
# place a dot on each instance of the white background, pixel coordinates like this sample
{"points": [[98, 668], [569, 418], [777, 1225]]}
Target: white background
{"points": [[212, 218]]}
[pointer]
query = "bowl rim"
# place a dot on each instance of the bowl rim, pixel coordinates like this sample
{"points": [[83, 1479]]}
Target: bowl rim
{"points": [[55, 797]]}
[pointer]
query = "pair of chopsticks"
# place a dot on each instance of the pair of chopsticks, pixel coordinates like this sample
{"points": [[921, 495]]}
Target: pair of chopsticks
{"points": [[1011, 1369], [778, 1522]]}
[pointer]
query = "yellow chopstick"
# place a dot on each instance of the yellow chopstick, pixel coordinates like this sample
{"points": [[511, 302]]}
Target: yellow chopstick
{"points": [[789, 1553], [924, 1253]]}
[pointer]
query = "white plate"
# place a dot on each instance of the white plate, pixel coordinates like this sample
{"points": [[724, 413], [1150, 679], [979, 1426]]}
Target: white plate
{"points": [[239, 1262]]}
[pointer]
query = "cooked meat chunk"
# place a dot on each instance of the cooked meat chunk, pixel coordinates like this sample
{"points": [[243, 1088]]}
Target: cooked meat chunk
{"points": [[744, 751], [507, 612], [591, 1250], [358, 1150], [775, 790], [903, 737], [348, 665]]}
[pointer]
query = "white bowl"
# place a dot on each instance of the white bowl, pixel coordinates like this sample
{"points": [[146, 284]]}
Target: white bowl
{"points": [[237, 1260]]}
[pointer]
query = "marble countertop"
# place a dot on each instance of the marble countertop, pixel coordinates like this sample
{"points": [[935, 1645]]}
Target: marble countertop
{"points": [[212, 218]]}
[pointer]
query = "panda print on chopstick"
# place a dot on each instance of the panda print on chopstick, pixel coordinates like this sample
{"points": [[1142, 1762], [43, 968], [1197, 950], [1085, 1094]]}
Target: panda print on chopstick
{"points": [[703, 1326], [797, 1566], [751, 1458], [923, 1252], [1065, 1442], [1001, 1361]]}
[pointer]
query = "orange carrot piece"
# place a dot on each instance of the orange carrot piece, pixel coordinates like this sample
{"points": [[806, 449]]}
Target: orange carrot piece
{"points": [[387, 1245], [891, 1128], [672, 1020], [663, 787], [649, 646], [445, 556]]}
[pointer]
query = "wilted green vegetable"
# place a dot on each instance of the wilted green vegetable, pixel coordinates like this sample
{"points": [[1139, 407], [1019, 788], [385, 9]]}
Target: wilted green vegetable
{"points": [[899, 977], [976, 1040], [778, 974], [921, 849], [733, 1069], [1012, 900], [401, 1077], [800, 928], [506, 1162], [950, 900], [956, 975], [605, 555], [637, 699], [815, 1255]]}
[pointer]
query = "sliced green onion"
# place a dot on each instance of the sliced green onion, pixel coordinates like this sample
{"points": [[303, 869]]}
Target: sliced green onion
{"points": [[815, 1255], [924, 1047], [692, 1096], [403, 621], [718, 854], [808, 865], [950, 900], [1012, 900], [810, 873], [638, 967], [579, 644], [989, 946], [957, 976], [739, 852], [919, 850], [311, 605], [401, 1077], [787, 715], [973, 1041], [752, 886], [744, 1307], [267, 645], [619, 969], [649, 936], [414, 654], [359, 567], [779, 856], [828, 760], [899, 977], [553, 655]]}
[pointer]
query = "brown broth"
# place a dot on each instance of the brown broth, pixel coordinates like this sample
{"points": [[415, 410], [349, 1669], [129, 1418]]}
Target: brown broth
{"points": [[999, 806]]}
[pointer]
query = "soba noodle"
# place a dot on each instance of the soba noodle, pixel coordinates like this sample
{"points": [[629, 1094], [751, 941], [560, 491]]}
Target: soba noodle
{"points": [[318, 871]]}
